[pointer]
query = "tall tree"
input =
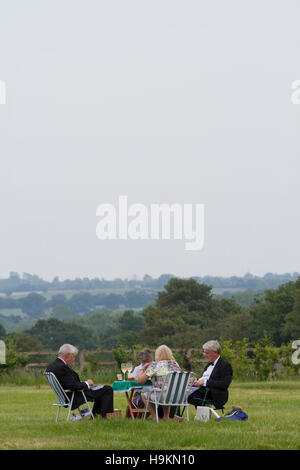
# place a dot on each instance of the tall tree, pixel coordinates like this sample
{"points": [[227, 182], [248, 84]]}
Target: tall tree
{"points": [[268, 315], [292, 320], [179, 316], [53, 333], [33, 304]]}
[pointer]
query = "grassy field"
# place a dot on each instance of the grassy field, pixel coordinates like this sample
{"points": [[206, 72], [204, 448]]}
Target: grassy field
{"points": [[28, 422]]}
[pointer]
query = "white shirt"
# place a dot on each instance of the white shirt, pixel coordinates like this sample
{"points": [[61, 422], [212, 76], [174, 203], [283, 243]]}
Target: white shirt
{"points": [[207, 373], [137, 370]]}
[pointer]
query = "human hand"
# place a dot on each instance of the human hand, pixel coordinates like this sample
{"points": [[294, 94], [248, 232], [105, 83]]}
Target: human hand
{"points": [[198, 383]]}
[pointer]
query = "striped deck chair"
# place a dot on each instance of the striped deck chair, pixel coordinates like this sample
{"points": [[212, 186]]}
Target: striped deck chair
{"points": [[172, 393], [62, 397]]}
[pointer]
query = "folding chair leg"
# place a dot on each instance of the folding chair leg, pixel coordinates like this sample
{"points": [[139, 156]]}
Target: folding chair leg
{"points": [[156, 412], [92, 415], [57, 414], [146, 409], [69, 412], [185, 407], [70, 406], [87, 404]]}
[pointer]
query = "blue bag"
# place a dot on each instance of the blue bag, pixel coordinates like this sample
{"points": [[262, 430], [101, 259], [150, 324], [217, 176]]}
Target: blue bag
{"points": [[236, 413]]}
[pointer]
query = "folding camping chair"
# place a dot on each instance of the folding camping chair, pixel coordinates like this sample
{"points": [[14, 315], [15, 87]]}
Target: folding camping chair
{"points": [[205, 401], [61, 395], [172, 393], [209, 403]]}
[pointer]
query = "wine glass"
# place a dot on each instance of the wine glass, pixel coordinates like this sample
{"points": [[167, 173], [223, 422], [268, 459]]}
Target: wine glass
{"points": [[124, 368], [129, 369]]}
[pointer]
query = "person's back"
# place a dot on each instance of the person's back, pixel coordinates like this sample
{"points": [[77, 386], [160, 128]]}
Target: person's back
{"points": [[158, 370], [66, 376], [145, 356]]}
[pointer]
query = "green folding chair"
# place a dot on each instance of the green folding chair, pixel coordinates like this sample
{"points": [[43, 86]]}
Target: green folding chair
{"points": [[61, 395], [172, 393]]}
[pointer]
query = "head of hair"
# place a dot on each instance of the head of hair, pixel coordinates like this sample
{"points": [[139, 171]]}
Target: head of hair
{"points": [[212, 345], [145, 355], [163, 353], [67, 349]]}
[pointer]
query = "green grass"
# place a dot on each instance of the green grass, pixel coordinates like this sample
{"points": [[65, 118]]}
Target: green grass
{"points": [[28, 422]]}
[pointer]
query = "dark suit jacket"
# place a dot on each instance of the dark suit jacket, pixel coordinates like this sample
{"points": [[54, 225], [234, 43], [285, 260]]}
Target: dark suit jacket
{"points": [[219, 382], [68, 379]]}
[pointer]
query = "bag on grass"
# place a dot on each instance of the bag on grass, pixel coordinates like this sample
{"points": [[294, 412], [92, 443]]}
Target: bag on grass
{"points": [[136, 402], [133, 407], [235, 413]]}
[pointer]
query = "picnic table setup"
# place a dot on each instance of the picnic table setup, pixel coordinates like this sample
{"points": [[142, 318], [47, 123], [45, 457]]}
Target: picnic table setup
{"points": [[129, 387], [168, 390]]}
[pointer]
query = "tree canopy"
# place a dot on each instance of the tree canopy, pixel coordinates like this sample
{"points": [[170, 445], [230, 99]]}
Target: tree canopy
{"points": [[184, 314]]}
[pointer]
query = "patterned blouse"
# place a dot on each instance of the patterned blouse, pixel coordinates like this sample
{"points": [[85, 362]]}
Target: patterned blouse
{"points": [[159, 369]]}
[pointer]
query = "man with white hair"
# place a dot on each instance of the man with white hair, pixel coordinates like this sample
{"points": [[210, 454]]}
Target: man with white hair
{"points": [[216, 377], [69, 380]]}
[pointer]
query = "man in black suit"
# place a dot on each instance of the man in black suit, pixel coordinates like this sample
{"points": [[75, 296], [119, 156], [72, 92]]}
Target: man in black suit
{"points": [[217, 376], [69, 380]]}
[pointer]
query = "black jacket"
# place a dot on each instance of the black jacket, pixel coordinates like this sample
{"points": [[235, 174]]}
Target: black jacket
{"points": [[219, 382], [68, 379]]}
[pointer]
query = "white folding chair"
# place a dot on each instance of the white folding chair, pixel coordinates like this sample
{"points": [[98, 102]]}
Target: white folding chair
{"points": [[172, 393], [61, 395]]}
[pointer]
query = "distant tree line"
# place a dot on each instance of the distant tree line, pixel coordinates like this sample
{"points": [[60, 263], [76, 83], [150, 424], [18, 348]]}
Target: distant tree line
{"points": [[34, 304], [184, 315], [31, 282]]}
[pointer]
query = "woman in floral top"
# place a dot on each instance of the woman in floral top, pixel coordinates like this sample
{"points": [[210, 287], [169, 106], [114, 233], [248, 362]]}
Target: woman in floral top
{"points": [[156, 371]]}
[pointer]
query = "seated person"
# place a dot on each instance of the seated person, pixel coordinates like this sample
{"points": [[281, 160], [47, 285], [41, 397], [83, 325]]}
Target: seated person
{"points": [[217, 376], [164, 364], [69, 380], [145, 357]]}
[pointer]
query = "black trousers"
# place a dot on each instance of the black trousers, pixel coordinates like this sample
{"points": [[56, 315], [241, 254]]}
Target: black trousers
{"points": [[194, 398], [103, 400]]}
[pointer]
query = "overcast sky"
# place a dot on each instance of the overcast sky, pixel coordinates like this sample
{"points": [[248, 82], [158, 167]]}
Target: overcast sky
{"points": [[162, 101]]}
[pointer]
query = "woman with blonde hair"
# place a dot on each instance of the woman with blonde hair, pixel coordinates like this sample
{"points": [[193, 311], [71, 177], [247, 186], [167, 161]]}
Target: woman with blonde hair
{"points": [[156, 371], [163, 353]]}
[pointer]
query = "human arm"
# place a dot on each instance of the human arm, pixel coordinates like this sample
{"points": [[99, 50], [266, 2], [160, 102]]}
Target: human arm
{"points": [[89, 383], [142, 376], [70, 380], [199, 382], [222, 379]]}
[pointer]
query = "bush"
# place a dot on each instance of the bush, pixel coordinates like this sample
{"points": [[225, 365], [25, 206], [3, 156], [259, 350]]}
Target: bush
{"points": [[14, 360], [266, 356], [121, 355]]}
